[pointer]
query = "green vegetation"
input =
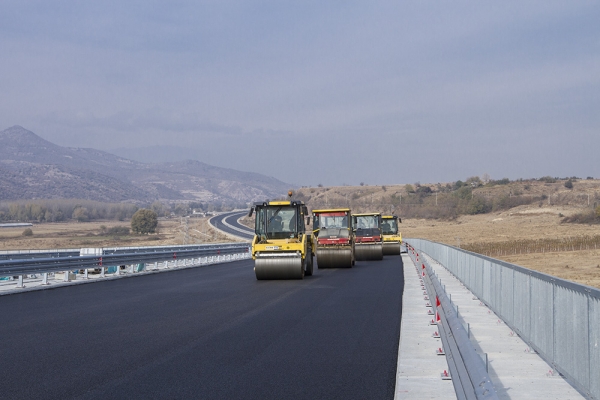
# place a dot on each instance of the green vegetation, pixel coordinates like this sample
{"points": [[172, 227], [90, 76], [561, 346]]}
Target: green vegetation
{"points": [[144, 221]]}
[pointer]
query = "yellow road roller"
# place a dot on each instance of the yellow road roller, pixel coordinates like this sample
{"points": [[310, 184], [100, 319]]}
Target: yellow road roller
{"points": [[334, 238], [281, 248], [368, 238], [392, 238]]}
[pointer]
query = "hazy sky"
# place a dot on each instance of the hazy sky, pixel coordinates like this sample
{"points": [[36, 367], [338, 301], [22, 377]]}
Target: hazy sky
{"points": [[311, 92]]}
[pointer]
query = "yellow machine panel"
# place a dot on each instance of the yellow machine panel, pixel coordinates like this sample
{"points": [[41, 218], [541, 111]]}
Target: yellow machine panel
{"points": [[392, 238]]}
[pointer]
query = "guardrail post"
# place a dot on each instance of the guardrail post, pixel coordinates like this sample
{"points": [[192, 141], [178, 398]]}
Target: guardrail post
{"points": [[85, 274], [156, 266], [20, 283], [102, 272], [66, 276], [45, 278]]}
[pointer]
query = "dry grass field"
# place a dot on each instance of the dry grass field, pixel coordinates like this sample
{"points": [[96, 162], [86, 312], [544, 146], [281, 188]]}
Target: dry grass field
{"points": [[504, 232], [90, 234]]}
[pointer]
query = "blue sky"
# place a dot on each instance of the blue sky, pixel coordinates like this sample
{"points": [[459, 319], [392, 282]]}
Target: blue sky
{"points": [[312, 92]]}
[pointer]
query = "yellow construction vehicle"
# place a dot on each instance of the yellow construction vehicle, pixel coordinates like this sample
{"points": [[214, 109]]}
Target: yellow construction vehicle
{"points": [[392, 238], [334, 238], [367, 231], [281, 249]]}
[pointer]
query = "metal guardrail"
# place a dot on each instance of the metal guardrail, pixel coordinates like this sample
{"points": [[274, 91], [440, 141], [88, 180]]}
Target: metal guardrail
{"points": [[114, 257], [468, 371], [559, 319], [29, 254]]}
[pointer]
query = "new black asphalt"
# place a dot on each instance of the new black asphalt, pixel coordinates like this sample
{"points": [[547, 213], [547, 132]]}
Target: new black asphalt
{"points": [[213, 332], [232, 219]]}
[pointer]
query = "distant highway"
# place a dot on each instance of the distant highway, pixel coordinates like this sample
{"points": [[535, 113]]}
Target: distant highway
{"points": [[208, 333], [228, 223]]}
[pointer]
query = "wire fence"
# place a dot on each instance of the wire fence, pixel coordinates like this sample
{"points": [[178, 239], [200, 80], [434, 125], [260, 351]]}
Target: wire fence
{"points": [[525, 246]]}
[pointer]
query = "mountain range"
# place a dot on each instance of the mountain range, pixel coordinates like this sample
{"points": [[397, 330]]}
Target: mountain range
{"points": [[34, 168]]}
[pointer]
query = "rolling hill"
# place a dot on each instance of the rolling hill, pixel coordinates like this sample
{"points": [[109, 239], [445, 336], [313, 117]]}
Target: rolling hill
{"points": [[34, 168]]}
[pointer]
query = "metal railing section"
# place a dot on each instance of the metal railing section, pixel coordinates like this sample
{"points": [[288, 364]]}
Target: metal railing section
{"points": [[559, 319], [115, 257], [468, 371]]}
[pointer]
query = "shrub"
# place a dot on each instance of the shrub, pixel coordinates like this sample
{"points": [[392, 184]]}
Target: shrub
{"points": [[587, 217], [144, 221], [478, 205], [27, 232], [117, 231], [569, 184]]}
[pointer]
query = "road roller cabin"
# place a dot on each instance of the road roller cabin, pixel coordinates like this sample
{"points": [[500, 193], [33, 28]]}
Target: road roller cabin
{"points": [[334, 238]]}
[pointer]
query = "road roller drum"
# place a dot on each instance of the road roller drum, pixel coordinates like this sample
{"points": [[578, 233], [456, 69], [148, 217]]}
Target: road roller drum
{"points": [[368, 252], [279, 268], [334, 257], [391, 248]]}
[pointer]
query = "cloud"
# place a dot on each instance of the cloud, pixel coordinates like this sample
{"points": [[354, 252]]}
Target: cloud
{"points": [[437, 90]]}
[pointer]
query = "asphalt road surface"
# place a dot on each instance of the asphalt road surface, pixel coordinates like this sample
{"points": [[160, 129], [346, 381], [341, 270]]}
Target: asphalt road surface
{"points": [[213, 332], [231, 219]]}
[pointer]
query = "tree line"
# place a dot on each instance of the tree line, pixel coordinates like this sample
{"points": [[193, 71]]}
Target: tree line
{"points": [[59, 210]]}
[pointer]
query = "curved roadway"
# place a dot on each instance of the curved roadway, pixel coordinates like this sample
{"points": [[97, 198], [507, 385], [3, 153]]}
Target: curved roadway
{"points": [[213, 332], [229, 224]]}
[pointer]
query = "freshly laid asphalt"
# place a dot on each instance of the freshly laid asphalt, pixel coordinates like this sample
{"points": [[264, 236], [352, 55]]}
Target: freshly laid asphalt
{"points": [[232, 220], [213, 332]]}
